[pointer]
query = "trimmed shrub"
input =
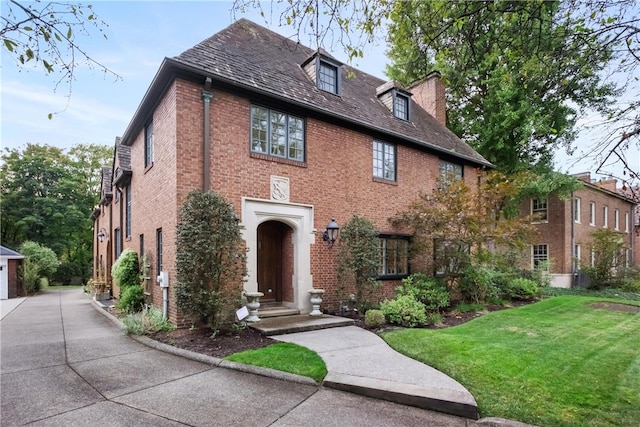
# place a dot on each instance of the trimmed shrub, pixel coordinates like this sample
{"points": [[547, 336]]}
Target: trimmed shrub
{"points": [[404, 311], [523, 289], [374, 319], [428, 290], [132, 299], [126, 269], [477, 285], [434, 319]]}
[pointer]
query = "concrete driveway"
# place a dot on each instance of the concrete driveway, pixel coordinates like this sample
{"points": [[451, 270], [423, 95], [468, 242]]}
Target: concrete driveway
{"points": [[63, 363]]}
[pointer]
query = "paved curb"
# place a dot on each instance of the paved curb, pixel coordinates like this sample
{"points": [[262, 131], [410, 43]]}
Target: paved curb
{"points": [[203, 358], [440, 400]]}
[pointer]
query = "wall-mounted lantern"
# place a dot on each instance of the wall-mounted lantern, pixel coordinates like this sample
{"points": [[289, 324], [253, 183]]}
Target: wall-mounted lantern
{"points": [[330, 234]]}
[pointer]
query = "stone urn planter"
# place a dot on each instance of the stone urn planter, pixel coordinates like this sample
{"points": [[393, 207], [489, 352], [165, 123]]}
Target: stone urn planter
{"points": [[253, 304], [316, 300]]}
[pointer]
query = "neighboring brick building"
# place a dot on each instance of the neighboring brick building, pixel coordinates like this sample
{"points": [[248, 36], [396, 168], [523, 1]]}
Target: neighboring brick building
{"points": [[566, 226], [291, 137]]}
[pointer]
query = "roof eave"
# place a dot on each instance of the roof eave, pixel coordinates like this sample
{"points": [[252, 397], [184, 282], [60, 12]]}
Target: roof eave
{"points": [[169, 70]]}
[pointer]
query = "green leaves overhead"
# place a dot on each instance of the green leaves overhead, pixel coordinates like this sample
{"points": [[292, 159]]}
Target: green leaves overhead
{"points": [[517, 73]]}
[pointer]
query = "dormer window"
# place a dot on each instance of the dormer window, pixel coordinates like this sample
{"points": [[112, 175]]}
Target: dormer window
{"points": [[324, 71], [328, 77], [401, 106], [396, 99]]}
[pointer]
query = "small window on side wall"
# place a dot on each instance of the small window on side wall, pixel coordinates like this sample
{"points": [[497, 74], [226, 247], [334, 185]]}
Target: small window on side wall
{"points": [[148, 145]]}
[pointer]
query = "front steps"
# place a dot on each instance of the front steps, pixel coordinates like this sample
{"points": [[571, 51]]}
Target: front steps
{"points": [[279, 320]]}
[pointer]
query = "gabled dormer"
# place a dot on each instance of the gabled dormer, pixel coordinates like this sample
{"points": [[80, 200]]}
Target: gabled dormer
{"points": [[106, 195], [325, 71], [122, 173], [396, 99]]}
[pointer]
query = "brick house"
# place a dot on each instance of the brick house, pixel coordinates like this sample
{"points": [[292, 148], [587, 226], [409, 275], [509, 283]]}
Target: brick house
{"points": [[292, 138], [565, 228]]}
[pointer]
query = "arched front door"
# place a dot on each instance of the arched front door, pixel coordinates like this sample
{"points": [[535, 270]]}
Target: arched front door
{"points": [[272, 259]]}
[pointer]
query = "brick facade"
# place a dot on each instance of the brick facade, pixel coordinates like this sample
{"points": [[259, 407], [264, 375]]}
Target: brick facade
{"points": [[564, 228], [334, 180]]}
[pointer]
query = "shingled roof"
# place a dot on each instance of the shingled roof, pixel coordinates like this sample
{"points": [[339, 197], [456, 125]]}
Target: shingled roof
{"points": [[254, 58]]}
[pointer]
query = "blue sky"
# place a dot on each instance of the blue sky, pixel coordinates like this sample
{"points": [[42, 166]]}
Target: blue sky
{"points": [[139, 36]]}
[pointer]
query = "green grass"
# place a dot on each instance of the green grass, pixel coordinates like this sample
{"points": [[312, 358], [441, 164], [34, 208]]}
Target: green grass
{"points": [[559, 362], [286, 357]]}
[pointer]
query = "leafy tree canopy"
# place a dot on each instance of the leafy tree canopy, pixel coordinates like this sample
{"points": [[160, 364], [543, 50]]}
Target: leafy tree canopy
{"points": [[47, 197], [516, 72]]}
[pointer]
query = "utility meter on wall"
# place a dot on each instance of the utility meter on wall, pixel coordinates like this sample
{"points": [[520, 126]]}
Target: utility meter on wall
{"points": [[163, 279]]}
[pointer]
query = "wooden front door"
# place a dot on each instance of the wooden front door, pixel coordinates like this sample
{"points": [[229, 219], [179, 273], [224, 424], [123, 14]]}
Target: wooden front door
{"points": [[270, 236]]}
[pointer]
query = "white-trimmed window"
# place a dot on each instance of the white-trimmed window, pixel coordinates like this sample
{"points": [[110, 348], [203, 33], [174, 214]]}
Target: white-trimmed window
{"points": [[401, 106], [277, 134], [540, 256], [539, 209], [616, 219], [394, 256], [592, 213], [593, 257], [384, 160], [605, 216], [577, 253], [626, 222], [576, 209], [328, 77]]}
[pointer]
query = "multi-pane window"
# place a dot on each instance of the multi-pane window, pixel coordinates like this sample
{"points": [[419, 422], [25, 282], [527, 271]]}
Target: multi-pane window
{"points": [[605, 216], [384, 160], [394, 256], [328, 77], [449, 256], [576, 209], [577, 253], [148, 145], [127, 217], [449, 172], [277, 134], [592, 213], [616, 219], [540, 256], [539, 209], [401, 106], [593, 257], [141, 246]]}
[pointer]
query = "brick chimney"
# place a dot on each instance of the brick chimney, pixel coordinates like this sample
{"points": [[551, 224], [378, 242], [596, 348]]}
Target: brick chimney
{"points": [[609, 184], [429, 93]]}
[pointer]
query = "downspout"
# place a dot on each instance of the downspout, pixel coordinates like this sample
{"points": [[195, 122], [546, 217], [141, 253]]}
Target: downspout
{"points": [[574, 272], [206, 143]]}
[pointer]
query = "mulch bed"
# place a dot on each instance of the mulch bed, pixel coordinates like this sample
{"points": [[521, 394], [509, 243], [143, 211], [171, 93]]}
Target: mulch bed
{"points": [[199, 340]]}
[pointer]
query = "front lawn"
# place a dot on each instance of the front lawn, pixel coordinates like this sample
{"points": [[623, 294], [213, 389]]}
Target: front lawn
{"points": [[559, 362], [286, 357]]}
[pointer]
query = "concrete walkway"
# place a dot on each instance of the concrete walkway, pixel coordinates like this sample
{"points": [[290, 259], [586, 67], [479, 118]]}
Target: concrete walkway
{"points": [[8, 305], [63, 362]]}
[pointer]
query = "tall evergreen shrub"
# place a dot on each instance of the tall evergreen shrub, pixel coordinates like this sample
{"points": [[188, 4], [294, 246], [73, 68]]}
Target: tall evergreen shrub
{"points": [[210, 259]]}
